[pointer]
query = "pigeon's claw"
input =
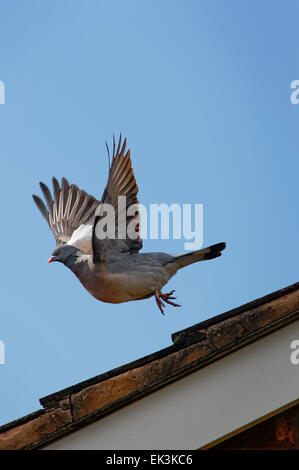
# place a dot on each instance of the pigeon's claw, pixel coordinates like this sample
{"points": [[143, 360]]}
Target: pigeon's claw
{"points": [[166, 298], [159, 301]]}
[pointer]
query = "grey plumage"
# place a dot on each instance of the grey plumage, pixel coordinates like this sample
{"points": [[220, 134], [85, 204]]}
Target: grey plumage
{"points": [[70, 209], [121, 182], [111, 269]]}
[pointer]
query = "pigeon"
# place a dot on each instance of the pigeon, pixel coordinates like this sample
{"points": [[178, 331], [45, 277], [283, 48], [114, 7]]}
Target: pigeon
{"points": [[111, 268]]}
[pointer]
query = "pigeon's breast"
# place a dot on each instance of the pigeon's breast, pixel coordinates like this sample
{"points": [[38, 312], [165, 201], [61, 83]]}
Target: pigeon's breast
{"points": [[122, 285]]}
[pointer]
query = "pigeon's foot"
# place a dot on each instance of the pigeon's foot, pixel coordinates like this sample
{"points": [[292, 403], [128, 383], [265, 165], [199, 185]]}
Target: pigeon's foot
{"points": [[166, 298]]}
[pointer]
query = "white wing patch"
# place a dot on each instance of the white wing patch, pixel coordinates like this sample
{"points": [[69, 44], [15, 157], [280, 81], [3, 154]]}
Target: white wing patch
{"points": [[81, 238]]}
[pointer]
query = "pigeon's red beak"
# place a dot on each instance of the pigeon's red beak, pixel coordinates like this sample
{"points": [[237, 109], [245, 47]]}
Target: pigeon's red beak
{"points": [[51, 259]]}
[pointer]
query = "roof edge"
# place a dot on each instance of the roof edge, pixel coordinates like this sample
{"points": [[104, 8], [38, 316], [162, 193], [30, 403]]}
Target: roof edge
{"points": [[183, 335], [198, 346], [185, 370], [181, 339]]}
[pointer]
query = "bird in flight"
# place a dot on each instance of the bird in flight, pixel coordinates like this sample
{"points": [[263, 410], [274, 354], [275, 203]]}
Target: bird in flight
{"points": [[111, 268]]}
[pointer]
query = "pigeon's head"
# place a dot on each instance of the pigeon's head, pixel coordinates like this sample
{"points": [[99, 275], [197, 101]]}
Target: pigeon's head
{"points": [[66, 254]]}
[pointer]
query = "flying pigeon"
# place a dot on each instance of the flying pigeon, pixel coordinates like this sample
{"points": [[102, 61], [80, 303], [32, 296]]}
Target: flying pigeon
{"points": [[111, 268]]}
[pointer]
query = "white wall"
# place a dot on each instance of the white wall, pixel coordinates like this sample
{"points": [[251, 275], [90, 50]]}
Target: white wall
{"points": [[203, 406]]}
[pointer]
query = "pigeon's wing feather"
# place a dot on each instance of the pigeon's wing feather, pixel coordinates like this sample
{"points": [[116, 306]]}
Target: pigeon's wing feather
{"points": [[69, 213], [123, 223]]}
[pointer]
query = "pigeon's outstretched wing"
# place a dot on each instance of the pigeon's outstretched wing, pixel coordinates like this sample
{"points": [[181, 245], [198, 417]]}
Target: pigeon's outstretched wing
{"points": [[70, 214], [117, 230]]}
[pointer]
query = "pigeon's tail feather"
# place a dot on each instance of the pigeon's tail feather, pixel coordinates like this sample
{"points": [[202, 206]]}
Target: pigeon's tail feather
{"points": [[200, 255]]}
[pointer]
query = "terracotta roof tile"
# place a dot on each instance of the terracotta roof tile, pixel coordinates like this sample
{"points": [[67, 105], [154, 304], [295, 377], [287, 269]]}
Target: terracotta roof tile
{"points": [[193, 348]]}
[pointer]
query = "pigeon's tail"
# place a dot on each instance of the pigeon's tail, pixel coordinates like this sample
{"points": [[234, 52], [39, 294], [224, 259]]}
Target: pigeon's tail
{"points": [[200, 255]]}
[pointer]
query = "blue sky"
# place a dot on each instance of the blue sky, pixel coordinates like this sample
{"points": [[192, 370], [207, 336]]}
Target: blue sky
{"points": [[202, 91]]}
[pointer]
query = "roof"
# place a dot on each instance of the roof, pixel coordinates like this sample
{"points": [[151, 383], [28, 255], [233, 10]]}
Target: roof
{"points": [[193, 348]]}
